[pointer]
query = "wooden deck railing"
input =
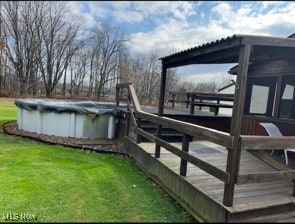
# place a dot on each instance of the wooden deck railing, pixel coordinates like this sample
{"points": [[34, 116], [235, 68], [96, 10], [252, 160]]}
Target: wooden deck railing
{"points": [[211, 100], [187, 129], [187, 95], [249, 142], [212, 135]]}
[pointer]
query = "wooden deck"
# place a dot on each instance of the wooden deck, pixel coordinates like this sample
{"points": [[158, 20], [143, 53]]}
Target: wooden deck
{"points": [[204, 177], [273, 199], [211, 199]]}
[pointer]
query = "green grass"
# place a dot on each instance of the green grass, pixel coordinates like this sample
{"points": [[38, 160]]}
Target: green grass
{"points": [[8, 112], [61, 184]]}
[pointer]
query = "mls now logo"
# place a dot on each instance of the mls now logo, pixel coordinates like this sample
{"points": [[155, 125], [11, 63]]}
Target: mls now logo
{"points": [[23, 217]]}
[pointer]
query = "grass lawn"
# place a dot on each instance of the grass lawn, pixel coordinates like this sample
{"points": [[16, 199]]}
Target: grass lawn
{"points": [[8, 112], [61, 184]]}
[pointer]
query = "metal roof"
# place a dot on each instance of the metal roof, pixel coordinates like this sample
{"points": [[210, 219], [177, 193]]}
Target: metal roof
{"points": [[226, 50], [201, 46]]}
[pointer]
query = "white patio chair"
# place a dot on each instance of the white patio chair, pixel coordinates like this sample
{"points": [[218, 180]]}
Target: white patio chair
{"points": [[273, 130]]}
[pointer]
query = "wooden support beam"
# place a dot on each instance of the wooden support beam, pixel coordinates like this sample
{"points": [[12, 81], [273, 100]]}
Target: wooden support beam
{"points": [[233, 158], [278, 95], [293, 188], [161, 106], [173, 100], [138, 138], [192, 106], [187, 100], [185, 148], [117, 96]]}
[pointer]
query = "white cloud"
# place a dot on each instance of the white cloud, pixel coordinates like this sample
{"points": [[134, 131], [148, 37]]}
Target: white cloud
{"points": [[177, 25], [276, 21], [182, 10], [85, 18], [177, 36], [130, 16], [267, 4], [136, 11], [165, 37], [224, 10]]}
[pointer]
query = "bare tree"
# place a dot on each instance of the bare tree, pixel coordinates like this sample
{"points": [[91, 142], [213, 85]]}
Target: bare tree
{"points": [[20, 32], [78, 70], [58, 43], [2, 45], [172, 81], [108, 42], [209, 87], [148, 69], [127, 73]]}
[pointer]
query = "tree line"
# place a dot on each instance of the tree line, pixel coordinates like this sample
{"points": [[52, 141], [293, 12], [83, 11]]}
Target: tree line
{"points": [[44, 53]]}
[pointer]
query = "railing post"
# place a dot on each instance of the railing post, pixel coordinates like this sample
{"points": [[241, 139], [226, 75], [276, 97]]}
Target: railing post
{"points": [[217, 108], [128, 118], [173, 99], [293, 188], [138, 137], [187, 100], [158, 147], [192, 109], [233, 156], [127, 124], [185, 148], [161, 107], [117, 96]]}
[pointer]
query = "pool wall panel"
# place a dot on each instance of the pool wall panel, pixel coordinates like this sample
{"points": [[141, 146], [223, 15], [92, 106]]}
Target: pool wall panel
{"points": [[66, 124]]}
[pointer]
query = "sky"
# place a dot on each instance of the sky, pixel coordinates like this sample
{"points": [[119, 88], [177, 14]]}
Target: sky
{"points": [[173, 26]]}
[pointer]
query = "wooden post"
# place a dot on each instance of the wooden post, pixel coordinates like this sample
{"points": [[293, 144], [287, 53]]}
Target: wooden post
{"points": [[278, 97], [138, 138], [117, 96], [161, 106], [128, 118], [233, 158], [187, 100], [173, 100], [192, 109], [185, 148], [293, 188], [217, 108]]}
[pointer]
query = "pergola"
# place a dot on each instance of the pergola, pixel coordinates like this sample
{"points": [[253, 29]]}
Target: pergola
{"points": [[259, 57]]}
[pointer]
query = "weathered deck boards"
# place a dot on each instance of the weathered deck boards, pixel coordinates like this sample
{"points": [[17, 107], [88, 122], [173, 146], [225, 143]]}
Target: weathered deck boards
{"points": [[249, 197]]}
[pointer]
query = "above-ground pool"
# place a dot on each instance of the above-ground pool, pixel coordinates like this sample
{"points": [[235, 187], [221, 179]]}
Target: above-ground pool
{"points": [[66, 118]]}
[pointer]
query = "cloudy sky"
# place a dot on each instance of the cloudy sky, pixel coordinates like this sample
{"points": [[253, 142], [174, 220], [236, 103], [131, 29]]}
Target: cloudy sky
{"points": [[172, 26]]}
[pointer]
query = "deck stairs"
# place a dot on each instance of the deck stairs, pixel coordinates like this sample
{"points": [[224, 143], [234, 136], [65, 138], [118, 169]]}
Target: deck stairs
{"points": [[168, 134]]}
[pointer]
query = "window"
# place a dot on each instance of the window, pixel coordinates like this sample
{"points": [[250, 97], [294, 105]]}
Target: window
{"points": [[260, 95], [259, 98], [287, 104]]}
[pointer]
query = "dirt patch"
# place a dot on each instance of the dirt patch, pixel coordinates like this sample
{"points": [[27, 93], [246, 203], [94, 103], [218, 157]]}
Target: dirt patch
{"points": [[85, 144], [7, 99]]}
